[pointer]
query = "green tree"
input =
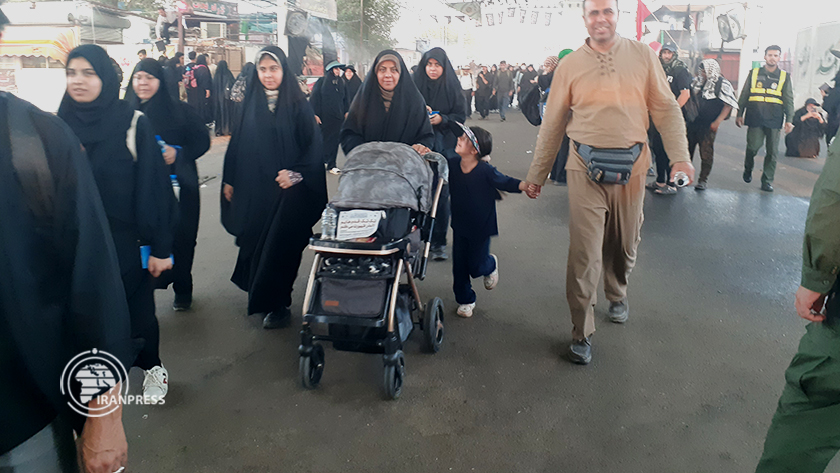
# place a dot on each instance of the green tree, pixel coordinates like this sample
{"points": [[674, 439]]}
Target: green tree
{"points": [[379, 18]]}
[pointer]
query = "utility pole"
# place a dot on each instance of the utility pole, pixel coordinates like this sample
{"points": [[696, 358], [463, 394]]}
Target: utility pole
{"points": [[361, 27], [181, 32], [282, 14]]}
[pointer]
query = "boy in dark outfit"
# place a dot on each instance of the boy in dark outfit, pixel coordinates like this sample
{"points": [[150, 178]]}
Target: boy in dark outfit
{"points": [[474, 186]]}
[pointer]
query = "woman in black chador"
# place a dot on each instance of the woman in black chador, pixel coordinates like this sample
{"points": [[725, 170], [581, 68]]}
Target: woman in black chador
{"points": [[274, 188], [198, 90], [440, 87], [388, 107], [330, 103], [179, 126], [483, 89], [135, 188], [353, 82], [220, 96], [809, 124]]}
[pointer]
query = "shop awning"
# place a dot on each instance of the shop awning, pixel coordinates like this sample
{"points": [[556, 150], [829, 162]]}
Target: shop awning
{"points": [[38, 41]]}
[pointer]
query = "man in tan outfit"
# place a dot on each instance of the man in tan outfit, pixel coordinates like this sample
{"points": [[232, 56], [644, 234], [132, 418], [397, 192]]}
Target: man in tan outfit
{"points": [[610, 85]]}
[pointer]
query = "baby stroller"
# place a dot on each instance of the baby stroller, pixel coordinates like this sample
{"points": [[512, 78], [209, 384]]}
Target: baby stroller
{"points": [[376, 229]]}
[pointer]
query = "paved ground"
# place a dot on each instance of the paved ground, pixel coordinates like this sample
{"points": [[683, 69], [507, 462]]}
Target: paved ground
{"points": [[688, 385]]}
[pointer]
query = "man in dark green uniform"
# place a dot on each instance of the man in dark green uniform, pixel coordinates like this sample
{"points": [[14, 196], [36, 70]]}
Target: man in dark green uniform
{"points": [[767, 100], [805, 433]]}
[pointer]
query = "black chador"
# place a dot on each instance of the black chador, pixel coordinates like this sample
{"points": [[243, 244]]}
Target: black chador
{"points": [[330, 103], [61, 292], [353, 84], [379, 115], [272, 225], [177, 124], [135, 188], [197, 90], [220, 96], [442, 95]]}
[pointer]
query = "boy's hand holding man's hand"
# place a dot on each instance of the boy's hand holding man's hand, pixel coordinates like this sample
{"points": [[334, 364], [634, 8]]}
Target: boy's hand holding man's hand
{"points": [[531, 190]]}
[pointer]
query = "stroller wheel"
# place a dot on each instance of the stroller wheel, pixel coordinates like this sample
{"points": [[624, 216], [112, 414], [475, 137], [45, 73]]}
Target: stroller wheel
{"points": [[394, 375], [433, 325], [312, 367]]}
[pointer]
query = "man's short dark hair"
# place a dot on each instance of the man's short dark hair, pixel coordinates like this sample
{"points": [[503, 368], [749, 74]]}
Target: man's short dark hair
{"points": [[143, 52], [773, 47], [502, 62], [191, 55], [583, 5]]}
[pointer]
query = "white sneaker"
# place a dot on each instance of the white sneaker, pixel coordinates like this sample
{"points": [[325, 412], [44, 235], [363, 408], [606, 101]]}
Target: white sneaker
{"points": [[492, 279], [335, 171], [155, 384], [466, 310]]}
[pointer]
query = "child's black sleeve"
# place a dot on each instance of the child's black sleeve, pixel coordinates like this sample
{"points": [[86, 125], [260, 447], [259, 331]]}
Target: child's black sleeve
{"points": [[502, 182]]}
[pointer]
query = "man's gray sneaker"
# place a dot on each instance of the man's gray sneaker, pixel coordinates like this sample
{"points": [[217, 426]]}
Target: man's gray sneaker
{"points": [[619, 311], [580, 351]]}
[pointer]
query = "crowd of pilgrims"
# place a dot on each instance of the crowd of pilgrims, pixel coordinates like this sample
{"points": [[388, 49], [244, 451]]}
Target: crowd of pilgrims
{"points": [[143, 150], [274, 180]]}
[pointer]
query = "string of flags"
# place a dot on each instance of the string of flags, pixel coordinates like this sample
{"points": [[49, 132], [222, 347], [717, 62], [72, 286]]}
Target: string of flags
{"points": [[505, 13]]}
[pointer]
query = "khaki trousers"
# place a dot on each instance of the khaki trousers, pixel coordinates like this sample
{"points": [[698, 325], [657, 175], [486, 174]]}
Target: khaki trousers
{"points": [[605, 222]]}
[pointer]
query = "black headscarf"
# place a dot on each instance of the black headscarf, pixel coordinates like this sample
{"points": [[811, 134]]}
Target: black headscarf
{"points": [[329, 100], [407, 120], [173, 73], [442, 95], [222, 106], [201, 59], [105, 117], [163, 112], [354, 84]]}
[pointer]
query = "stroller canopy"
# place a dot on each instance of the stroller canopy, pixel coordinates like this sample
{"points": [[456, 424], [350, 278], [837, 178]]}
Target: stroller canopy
{"points": [[383, 175]]}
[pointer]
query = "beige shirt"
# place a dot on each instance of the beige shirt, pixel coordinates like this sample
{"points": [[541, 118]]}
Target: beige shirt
{"points": [[610, 97]]}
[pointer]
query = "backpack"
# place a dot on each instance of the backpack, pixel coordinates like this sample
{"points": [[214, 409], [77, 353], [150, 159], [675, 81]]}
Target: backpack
{"points": [[189, 77]]}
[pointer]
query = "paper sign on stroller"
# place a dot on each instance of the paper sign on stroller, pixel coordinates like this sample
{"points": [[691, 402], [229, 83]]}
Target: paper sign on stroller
{"points": [[357, 224]]}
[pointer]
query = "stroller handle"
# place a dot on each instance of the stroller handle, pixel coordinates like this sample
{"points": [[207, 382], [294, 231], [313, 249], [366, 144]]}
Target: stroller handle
{"points": [[442, 164]]}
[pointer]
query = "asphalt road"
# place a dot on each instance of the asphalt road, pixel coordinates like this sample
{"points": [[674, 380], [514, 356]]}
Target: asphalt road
{"points": [[689, 384]]}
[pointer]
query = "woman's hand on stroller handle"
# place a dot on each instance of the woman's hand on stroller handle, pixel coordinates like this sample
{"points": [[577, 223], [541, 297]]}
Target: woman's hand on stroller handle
{"points": [[422, 150]]}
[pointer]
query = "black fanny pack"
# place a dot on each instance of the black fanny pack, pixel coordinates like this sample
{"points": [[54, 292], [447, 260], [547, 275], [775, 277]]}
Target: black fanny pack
{"points": [[609, 165]]}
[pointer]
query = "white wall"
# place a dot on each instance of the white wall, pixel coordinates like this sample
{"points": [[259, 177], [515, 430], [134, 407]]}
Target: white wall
{"points": [[813, 64], [44, 88]]}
